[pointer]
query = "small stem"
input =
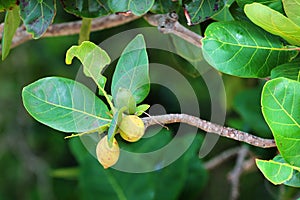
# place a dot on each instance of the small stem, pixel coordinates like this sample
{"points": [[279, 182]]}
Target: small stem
{"points": [[85, 30], [99, 129]]}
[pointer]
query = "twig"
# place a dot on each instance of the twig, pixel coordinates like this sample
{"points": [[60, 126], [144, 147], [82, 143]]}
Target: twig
{"points": [[211, 128], [234, 175], [221, 158], [167, 23], [71, 28]]}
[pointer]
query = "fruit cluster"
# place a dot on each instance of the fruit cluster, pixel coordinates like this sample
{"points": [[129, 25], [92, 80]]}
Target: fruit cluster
{"points": [[131, 129]]}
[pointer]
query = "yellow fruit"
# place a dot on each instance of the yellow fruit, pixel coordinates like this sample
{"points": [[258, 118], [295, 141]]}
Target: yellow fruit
{"points": [[107, 156], [132, 128]]}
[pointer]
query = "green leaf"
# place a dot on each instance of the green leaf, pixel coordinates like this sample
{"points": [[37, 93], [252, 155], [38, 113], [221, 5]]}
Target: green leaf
{"points": [[295, 180], [37, 15], [64, 105], [200, 11], [137, 7], [85, 30], [288, 70], [242, 3], [125, 98], [242, 49], [93, 58], [141, 109], [165, 6], [292, 10], [273, 22], [11, 23], [275, 172], [224, 14], [86, 8], [132, 70], [7, 4], [281, 109]]}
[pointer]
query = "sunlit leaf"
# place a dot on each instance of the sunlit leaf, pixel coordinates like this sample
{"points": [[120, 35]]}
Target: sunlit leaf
{"points": [[292, 10], [11, 23], [132, 70], [273, 22], [141, 109], [86, 8], [137, 7], [242, 49], [64, 105], [93, 58], [281, 109], [37, 15], [288, 70]]}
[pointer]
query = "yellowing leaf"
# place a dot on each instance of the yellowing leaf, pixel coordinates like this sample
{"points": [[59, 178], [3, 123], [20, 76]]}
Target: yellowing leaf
{"points": [[273, 22]]}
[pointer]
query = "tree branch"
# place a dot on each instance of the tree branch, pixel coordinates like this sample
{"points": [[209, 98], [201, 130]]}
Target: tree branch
{"points": [[168, 23], [211, 128], [70, 28]]}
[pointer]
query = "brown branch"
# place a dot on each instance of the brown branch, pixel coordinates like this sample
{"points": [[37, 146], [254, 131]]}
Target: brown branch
{"points": [[235, 174], [71, 28], [167, 23], [211, 128]]}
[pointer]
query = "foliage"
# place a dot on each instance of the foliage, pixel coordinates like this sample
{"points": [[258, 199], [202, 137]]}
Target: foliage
{"points": [[259, 41]]}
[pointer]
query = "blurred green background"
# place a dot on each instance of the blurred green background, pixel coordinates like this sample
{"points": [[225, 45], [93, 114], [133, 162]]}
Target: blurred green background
{"points": [[36, 162]]}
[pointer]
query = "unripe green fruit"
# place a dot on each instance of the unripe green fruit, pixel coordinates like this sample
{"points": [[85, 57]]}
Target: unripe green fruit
{"points": [[132, 128], [106, 155]]}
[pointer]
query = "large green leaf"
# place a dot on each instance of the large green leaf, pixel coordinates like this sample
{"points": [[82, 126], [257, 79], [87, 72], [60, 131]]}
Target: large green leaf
{"points": [[64, 105], [242, 49], [93, 58], [11, 23], [288, 70], [132, 70], [281, 109], [137, 7], [275, 172], [201, 10], [273, 22], [292, 10], [86, 8], [37, 15], [7, 4]]}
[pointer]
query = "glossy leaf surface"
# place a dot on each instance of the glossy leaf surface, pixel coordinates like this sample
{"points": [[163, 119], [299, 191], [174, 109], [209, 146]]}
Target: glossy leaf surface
{"points": [[64, 105], [132, 70], [242, 49], [281, 109]]}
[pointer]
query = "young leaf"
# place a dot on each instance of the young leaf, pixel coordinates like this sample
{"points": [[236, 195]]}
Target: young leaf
{"points": [[112, 130], [242, 49], [132, 70], [275, 172], [125, 99], [292, 10], [281, 109], [141, 109], [64, 105], [200, 11], [11, 23], [288, 70], [273, 22], [93, 58], [137, 7], [87, 9], [37, 15]]}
